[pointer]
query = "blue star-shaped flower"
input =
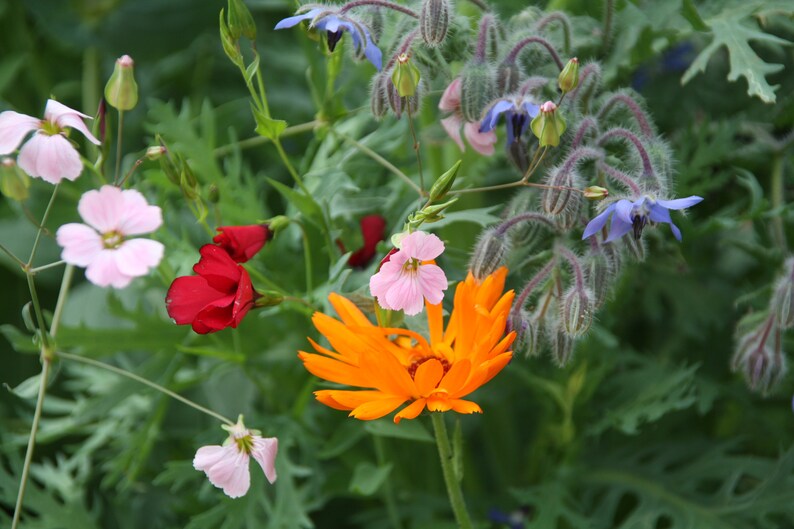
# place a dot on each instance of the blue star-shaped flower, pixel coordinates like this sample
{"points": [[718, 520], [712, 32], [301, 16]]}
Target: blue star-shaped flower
{"points": [[635, 215], [518, 113], [334, 25]]}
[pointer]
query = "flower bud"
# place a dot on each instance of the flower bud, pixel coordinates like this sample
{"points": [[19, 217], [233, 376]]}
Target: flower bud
{"points": [[277, 223], [548, 125], [374, 20], [576, 311], [405, 76], [444, 183], [155, 152], [783, 298], [489, 253], [213, 194], [268, 298], [599, 275], [401, 104], [379, 96], [477, 89], [240, 21], [595, 193], [518, 155], [561, 346], [14, 182], [558, 195], [526, 329], [229, 42], [121, 91], [569, 76], [434, 21], [507, 78], [635, 247], [759, 356]]}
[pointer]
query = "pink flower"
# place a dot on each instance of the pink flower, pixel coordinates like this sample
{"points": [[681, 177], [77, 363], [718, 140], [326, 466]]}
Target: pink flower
{"points": [[482, 142], [111, 215], [410, 275], [48, 154], [227, 466]]}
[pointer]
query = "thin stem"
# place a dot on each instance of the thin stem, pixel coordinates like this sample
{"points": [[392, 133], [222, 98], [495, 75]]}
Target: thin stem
{"points": [[482, 5], [634, 108], [262, 278], [307, 259], [118, 146], [382, 3], [13, 257], [380, 159], [533, 283], [45, 340], [41, 226], [145, 382], [289, 166], [46, 267], [486, 25], [132, 170], [626, 134], [66, 282], [256, 141], [524, 217], [536, 160], [416, 148], [586, 124], [388, 491], [453, 485], [513, 55], [778, 202], [619, 176], [609, 12], [565, 23]]}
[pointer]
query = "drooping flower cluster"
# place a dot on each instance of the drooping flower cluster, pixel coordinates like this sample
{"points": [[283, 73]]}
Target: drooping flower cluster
{"points": [[634, 216], [434, 373]]}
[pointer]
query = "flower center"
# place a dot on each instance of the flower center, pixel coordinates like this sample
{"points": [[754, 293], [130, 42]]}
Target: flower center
{"points": [[244, 443], [518, 120], [112, 239], [49, 128], [411, 265], [639, 217], [419, 361], [333, 39]]}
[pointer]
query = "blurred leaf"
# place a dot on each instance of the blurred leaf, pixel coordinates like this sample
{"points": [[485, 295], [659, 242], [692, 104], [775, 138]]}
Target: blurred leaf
{"points": [[411, 430], [368, 478]]}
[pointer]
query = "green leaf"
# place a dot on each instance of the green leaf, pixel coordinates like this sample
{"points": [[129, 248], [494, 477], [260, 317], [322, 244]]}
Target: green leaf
{"points": [[305, 204], [410, 430], [251, 70], [690, 13], [22, 343], [268, 127], [551, 505], [368, 478], [729, 29], [27, 389]]}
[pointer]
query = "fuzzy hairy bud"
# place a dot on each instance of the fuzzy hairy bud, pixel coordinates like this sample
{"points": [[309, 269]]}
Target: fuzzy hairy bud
{"points": [[434, 21], [557, 199], [599, 275], [507, 78], [489, 253], [375, 21], [636, 248], [576, 311], [477, 89], [561, 346], [379, 95], [759, 356], [400, 104], [783, 298], [518, 154], [526, 329]]}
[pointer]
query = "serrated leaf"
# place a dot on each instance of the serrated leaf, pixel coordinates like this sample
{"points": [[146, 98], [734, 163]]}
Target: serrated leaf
{"points": [[368, 478], [729, 30], [551, 505], [268, 127]]}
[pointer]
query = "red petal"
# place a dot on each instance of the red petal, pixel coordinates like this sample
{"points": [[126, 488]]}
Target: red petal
{"points": [[243, 242], [220, 271], [187, 296]]}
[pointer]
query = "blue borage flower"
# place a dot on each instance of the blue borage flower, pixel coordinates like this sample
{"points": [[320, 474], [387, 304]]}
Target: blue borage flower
{"points": [[334, 24], [518, 114], [635, 215]]}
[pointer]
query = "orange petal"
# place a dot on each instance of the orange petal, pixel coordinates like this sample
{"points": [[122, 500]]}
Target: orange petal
{"points": [[435, 322], [456, 377], [427, 376], [465, 406], [334, 371], [348, 312], [377, 408], [411, 411], [327, 398], [348, 400], [436, 404]]}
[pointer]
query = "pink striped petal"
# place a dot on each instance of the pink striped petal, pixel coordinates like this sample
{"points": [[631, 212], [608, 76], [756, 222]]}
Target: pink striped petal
{"points": [[103, 209], [138, 216], [432, 283], [81, 244], [450, 99], [64, 116], [13, 129], [264, 452], [452, 126], [135, 257], [422, 246], [405, 294], [104, 271], [51, 158], [482, 142], [226, 468]]}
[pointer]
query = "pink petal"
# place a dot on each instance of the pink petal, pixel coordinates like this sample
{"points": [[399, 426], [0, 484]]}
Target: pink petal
{"points": [[55, 111], [389, 274], [102, 209], [264, 452], [81, 244], [135, 257], [422, 246], [103, 271], [137, 216], [13, 128], [482, 142], [452, 126], [51, 158], [450, 100], [207, 456], [405, 295], [226, 468], [432, 282]]}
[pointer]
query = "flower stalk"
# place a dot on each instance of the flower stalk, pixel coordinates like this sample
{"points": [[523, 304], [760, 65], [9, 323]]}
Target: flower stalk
{"points": [[454, 491]]}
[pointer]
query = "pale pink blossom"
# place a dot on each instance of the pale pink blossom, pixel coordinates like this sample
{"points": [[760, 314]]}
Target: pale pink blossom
{"points": [[102, 245], [409, 276], [482, 142], [227, 466], [48, 154]]}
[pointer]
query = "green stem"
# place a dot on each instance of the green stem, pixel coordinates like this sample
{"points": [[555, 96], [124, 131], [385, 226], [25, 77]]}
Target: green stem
{"points": [[416, 148], [453, 485], [45, 267], [778, 201], [262, 278], [307, 258], [380, 159], [45, 339], [609, 11], [290, 168], [256, 141], [13, 257], [388, 491], [66, 282], [41, 226], [153, 385], [118, 147]]}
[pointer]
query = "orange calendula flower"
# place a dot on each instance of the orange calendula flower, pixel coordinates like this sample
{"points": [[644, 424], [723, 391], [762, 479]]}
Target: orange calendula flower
{"points": [[435, 373]]}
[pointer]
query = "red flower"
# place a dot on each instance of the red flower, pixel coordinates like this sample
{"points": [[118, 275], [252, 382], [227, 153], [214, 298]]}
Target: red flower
{"points": [[373, 230], [242, 242], [218, 297]]}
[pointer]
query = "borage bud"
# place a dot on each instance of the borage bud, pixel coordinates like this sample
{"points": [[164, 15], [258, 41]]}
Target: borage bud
{"points": [[155, 152], [121, 91], [557, 196], [489, 253], [783, 298], [444, 183], [576, 311], [526, 329], [240, 21], [379, 95], [507, 78], [14, 182], [595, 193], [434, 21], [374, 21], [561, 346], [548, 125], [405, 76], [569, 76], [599, 274], [477, 89], [635, 247], [759, 356], [401, 104]]}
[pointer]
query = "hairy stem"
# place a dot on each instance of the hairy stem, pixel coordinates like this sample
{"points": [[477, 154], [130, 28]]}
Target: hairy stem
{"points": [[513, 55], [453, 485]]}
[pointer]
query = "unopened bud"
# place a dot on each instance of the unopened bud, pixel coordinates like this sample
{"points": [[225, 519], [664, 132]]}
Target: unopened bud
{"points": [[636, 247], [759, 356], [14, 182], [188, 182], [561, 346], [379, 95], [277, 223], [375, 22], [595, 193], [548, 125], [240, 21], [268, 298], [599, 275], [155, 152], [489, 253], [507, 78], [576, 311], [213, 194], [518, 154], [477, 89], [526, 329], [401, 104], [434, 21], [405, 76], [170, 169], [559, 194], [444, 183], [229, 42], [121, 91], [783, 298], [569, 76]]}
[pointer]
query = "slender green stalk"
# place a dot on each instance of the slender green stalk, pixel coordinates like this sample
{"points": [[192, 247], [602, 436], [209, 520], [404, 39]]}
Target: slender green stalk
{"points": [[307, 259], [778, 201], [66, 282], [380, 159], [13, 257], [262, 278], [453, 485], [145, 382], [45, 267], [416, 149], [388, 491], [256, 141], [609, 12], [41, 226], [118, 147], [290, 167], [34, 297]]}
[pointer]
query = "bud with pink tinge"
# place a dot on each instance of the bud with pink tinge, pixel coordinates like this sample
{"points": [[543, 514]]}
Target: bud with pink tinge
{"points": [[548, 125], [121, 91]]}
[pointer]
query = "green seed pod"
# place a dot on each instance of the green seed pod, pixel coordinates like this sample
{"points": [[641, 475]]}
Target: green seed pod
{"points": [[477, 89], [444, 183], [121, 90], [434, 21], [548, 125], [405, 76], [240, 21]]}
